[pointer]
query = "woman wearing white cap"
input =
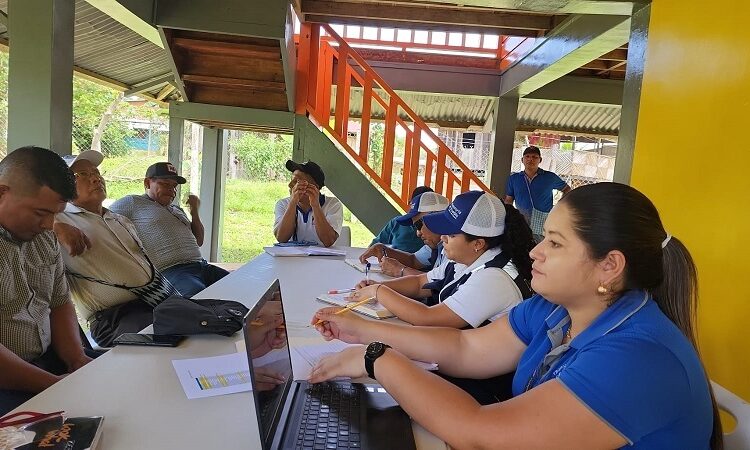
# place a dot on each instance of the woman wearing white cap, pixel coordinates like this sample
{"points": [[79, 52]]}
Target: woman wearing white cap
{"points": [[604, 356], [488, 243]]}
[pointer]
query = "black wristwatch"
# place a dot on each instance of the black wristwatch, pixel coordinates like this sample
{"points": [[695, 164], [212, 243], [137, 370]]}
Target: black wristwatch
{"points": [[374, 351]]}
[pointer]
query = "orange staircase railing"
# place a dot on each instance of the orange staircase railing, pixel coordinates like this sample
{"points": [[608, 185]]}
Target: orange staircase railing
{"points": [[325, 63]]}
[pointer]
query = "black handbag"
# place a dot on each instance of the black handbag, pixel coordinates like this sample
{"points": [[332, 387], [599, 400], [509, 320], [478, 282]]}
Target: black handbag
{"points": [[184, 316]]}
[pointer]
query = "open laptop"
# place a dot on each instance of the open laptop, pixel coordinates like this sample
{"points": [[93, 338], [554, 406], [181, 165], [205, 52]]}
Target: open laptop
{"points": [[300, 415]]}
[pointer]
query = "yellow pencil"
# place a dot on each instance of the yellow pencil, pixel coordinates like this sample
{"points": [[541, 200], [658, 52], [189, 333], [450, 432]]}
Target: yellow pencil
{"points": [[348, 307]]}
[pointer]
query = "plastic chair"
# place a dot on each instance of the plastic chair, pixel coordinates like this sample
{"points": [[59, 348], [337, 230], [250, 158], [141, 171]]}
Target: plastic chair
{"points": [[739, 438], [345, 237]]}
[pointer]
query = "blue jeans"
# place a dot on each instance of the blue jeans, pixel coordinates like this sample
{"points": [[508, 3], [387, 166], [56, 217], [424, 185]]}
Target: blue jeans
{"points": [[49, 361], [192, 278]]}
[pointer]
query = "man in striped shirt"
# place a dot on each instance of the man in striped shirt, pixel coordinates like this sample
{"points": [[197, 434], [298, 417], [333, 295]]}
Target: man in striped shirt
{"points": [[39, 334]]}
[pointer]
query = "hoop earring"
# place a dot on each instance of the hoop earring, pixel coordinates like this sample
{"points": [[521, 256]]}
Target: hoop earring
{"points": [[602, 290]]}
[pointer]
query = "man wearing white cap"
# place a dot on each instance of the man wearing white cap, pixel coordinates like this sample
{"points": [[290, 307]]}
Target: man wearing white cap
{"points": [[398, 263], [93, 235]]}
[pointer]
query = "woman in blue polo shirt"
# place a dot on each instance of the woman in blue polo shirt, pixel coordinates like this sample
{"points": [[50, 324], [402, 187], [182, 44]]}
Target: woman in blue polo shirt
{"points": [[487, 243], [604, 356]]}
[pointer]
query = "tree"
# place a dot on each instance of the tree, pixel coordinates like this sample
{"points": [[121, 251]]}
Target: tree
{"points": [[264, 156], [377, 141], [91, 103]]}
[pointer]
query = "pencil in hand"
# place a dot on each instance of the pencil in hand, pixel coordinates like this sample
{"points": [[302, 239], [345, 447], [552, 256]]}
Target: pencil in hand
{"points": [[346, 308]]}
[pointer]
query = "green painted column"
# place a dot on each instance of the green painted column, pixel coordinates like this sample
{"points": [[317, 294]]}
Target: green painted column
{"points": [[40, 78], [213, 185], [631, 99], [505, 119], [174, 148]]}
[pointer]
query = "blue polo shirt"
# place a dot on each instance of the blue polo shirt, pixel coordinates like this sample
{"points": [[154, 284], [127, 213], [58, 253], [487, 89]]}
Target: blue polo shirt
{"points": [[632, 367], [402, 237], [541, 190]]}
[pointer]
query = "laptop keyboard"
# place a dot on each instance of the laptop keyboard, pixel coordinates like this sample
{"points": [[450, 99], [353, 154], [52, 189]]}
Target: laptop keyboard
{"points": [[331, 417]]}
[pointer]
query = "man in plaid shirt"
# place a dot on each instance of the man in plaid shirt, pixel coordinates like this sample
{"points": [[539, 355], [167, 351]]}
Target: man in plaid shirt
{"points": [[39, 334]]}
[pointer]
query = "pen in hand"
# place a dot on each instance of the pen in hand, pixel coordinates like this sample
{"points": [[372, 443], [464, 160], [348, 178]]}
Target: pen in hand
{"points": [[367, 272], [348, 307]]}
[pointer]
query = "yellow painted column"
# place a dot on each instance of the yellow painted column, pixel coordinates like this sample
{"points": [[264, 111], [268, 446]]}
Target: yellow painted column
{"points": [[692, 158]]}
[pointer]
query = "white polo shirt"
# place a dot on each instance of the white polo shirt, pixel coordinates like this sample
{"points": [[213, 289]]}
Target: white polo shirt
{"points": [[114, 256], [489, 292], [332, 208]]}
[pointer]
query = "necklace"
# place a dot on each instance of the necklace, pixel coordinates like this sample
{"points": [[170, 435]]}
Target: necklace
{"points": [[568, 337]]}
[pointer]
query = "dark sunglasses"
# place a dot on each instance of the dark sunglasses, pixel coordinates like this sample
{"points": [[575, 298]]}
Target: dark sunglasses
{"points": [[418, 224]]}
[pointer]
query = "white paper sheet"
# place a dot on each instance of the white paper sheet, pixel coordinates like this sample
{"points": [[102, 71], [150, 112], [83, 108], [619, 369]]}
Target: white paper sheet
{"points": [[303, 251], [212, 376]]}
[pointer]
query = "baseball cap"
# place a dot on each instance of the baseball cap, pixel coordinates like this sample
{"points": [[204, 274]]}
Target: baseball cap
{"points": [[164, 170], [93, 156], [309, 168], [532, 149], [424, 202], [475, 212]]}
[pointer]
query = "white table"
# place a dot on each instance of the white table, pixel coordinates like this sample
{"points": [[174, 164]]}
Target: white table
{"points": [[138, 392]]}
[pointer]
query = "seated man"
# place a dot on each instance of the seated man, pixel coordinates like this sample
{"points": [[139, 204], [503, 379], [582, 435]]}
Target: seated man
{"points": [[39, 333], [397, 263], [171, 239], [94, 234], [293, 218], [401, 236]]}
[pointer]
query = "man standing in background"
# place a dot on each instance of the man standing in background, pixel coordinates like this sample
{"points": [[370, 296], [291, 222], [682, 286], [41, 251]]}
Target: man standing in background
{"points": [[531, 189]]}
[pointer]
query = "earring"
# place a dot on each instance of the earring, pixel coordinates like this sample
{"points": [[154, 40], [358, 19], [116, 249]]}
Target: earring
{"points": [[602, 290], [476, 250]]}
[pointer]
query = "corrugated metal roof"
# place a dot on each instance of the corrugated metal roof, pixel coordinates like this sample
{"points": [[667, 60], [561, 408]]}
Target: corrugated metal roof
{"points": [[108, 48], [431, 108], [461, 111], [574, 117], [105, 46]]}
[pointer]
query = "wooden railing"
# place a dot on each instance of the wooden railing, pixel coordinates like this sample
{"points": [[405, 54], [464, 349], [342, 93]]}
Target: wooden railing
{"points": [[323, 65]]}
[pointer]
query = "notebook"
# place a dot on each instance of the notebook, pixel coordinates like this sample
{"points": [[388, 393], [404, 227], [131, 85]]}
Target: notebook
{"points": [[374, 310], [374, 267], [301, 415], [303, 251]]}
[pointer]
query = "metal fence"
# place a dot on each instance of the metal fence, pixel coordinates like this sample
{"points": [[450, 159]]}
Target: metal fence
{"points": [[592, 162]]}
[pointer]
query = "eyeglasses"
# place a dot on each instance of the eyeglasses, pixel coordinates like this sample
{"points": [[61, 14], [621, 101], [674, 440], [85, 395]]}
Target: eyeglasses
{"points": [[88, 174], [418, 224]]}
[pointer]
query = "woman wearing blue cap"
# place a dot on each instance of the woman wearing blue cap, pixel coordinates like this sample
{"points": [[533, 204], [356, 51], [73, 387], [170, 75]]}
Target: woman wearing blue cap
{"points": [[488, 244], [604, 356]]}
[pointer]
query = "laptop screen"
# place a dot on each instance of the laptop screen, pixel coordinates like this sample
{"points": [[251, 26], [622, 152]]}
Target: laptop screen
{"points": [[270, 362]]}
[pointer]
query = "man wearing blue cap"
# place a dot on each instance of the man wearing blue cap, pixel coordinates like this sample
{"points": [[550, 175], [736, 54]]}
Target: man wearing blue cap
{"points": [[307, 215]]}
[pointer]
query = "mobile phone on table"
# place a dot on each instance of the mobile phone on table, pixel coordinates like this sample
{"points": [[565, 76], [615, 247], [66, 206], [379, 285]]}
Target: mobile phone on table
{"points": [[163, 340]]}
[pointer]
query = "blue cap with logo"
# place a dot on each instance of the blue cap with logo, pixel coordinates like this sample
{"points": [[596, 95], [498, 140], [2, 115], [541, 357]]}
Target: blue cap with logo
{"points": [[475, 212], [423, 203]]}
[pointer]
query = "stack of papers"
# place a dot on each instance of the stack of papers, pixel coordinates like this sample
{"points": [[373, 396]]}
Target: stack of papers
{"points": [[303, 251]]}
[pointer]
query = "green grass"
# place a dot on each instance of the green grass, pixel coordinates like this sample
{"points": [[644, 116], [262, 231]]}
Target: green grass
{"points": [[248, 208]]}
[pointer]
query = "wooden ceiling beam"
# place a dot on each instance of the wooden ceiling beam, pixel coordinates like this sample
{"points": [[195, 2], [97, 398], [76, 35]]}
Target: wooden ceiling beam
{"points": [[421, 26], [227, 48], [413, 14], [617, 54], [234, 83], [618, 66]]}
